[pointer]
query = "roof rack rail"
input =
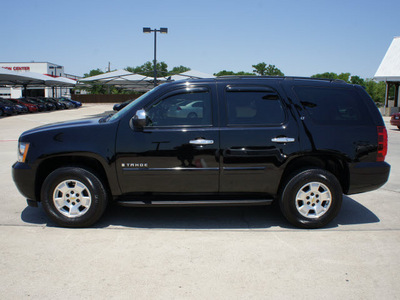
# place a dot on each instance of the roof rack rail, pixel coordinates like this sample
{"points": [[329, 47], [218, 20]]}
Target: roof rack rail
{"points": [[278, 77]]}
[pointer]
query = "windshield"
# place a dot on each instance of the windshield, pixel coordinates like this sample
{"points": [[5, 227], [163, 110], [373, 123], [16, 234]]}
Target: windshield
{"points": [[128, 107]]}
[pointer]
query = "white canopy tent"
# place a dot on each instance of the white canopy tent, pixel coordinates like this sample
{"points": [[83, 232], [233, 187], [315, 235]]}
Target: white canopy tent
{"points": [[137, 82], [192, 74], [106, 76], [389, 70], [122, 79], [13, 78]]}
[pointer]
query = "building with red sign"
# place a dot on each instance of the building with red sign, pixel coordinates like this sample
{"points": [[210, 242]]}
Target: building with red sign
{"points": [[45, 68]]}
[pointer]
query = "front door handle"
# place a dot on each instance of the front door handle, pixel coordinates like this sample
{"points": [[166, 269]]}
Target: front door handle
{"points": [[201, 142], [282, 140]]}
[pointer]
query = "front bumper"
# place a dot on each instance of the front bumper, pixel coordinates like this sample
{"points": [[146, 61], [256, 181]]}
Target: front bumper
{"points": [[394, 121], [24, 179]]}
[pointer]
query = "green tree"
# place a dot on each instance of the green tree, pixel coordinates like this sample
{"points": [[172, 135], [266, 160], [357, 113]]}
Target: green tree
{"points": [[95, 88], [260, 68], [93, 72], [147, 69], [264, 69], [135, 70], [376, 90], [357, 80], [326, 75], [330, 75], [273, 71], [224, 73], [178, 70], [231, 73], [344, 77]]}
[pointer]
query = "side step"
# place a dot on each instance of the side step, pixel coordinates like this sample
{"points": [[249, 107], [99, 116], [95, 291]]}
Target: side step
{"points": [[161, 203]]}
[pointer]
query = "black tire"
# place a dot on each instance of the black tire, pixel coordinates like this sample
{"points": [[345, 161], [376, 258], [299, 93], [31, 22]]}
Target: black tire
{"points": [[73, 197], [311, 198], [398, 127], [192, 115], [1, 113]]}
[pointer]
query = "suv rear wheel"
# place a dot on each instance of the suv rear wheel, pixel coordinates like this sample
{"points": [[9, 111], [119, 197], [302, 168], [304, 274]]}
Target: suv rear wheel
{"points": [[73, 197], [311, 198]]}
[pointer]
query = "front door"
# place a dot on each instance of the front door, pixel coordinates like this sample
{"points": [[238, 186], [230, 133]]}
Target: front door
{"points": [[176, 152]]}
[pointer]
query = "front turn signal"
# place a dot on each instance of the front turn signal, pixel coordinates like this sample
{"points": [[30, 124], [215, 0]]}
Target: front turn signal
{"points": [[22, 151]]}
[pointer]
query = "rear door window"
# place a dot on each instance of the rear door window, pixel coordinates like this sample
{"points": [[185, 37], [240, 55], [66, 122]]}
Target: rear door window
{"points": [[254, 106]]}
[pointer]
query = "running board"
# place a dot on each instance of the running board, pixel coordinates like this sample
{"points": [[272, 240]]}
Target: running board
{"points": [[161, 203]]}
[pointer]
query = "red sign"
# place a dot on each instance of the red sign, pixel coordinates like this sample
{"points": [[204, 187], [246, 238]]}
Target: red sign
{"points": [[18, 68]]}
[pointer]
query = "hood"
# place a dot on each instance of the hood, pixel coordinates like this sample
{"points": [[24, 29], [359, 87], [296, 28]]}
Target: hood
{"points": [[63, 126]]}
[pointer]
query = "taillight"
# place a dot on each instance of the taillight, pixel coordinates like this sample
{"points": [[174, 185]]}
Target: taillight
{"points": [[382, 143]]}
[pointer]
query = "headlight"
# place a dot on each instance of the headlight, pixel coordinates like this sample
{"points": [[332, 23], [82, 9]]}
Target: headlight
{"points": [[22, 151]]}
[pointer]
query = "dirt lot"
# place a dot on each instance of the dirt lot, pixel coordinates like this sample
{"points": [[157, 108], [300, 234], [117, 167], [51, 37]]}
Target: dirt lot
{"points": [[197, 253]]}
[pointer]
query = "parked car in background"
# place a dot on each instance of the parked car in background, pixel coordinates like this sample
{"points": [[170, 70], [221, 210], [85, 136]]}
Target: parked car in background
{"points": [[187, 109], [40, 106], [67, 103], [75, 103], [57, 104], [18, 109], [48, 106], [31, 107], [6, 109], [395, 120]]}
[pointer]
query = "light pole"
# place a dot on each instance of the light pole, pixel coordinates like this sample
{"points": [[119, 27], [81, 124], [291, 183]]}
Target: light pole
{"points": [[161, 30]]}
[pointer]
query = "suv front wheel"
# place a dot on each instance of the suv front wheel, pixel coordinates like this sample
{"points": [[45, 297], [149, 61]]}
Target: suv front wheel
{"points": [[311, 198], [73, 197]]}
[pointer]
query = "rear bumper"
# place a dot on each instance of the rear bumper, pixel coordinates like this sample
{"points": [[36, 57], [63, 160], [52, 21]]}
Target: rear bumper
{"points": [[365, 177]]}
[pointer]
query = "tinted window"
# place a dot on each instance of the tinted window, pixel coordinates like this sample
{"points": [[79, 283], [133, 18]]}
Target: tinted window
{"points": [[181, 109], [254, 108], [333, 105]]}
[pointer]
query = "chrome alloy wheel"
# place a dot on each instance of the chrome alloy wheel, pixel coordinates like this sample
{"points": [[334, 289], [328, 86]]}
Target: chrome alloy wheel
{"points": [[313, 200], [72, 198]]}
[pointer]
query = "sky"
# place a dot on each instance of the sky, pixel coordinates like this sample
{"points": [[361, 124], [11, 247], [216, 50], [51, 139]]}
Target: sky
{"points": [[300, 37]]}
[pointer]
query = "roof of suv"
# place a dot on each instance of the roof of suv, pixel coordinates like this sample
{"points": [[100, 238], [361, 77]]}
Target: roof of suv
{"points": [[234, 78]]}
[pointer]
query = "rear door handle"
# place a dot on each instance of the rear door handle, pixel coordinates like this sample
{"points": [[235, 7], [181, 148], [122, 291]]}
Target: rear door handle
{"points": [[201, 142], [282, 140]]}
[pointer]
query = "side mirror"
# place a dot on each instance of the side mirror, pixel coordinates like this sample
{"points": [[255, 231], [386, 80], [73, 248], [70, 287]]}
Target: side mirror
{"points": [[139, 119]]}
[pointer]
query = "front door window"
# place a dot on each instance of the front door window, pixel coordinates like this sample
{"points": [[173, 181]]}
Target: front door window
{"points": [[182, 109]]}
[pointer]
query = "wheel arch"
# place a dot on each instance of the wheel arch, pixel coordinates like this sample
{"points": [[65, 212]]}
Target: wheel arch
{"points": [[87, 162], [328, 162]]}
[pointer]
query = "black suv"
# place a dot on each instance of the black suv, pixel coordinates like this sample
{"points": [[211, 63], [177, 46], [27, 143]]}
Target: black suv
{"points": [[224, 141]]}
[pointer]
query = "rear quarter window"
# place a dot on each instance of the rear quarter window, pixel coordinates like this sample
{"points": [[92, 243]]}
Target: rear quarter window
{"points": [[333, 106]]}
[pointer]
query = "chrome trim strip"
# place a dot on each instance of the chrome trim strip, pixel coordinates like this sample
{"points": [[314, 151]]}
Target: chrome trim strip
{"points": [[243, 168], [170, 169]]}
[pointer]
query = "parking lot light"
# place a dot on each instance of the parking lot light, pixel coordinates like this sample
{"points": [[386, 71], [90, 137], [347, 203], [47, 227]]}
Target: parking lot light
{"points": [[162, 30]]}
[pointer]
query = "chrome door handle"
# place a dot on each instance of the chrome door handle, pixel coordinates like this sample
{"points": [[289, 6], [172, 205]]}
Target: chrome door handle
{"points": [[282, 140], [201, 142]]}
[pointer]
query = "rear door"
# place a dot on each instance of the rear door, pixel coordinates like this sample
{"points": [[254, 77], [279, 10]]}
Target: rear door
{"points": [[258, 134], [177, 151]]}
